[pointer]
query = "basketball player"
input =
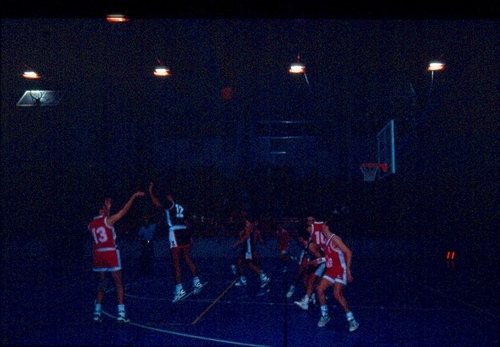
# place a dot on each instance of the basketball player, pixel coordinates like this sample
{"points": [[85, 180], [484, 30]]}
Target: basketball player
{"points": [[314, 228], [313, 271], [146, 238], [248, 237], [181, 240], [283, 245], [338, 259], [317, 233], [106, 255]]}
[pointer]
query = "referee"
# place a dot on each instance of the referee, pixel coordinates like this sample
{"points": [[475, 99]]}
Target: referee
{"points": [[146, 237]]}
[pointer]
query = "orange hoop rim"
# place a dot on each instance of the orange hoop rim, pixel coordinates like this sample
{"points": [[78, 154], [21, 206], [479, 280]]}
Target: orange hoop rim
{"points": [[382, 166]]}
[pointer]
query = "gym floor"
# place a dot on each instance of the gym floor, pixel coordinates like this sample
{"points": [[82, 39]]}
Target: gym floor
{"points": [[398, 300]]}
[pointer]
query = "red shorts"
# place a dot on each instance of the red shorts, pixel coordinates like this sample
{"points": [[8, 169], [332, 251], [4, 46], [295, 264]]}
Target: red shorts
{"points": [[108, 260], [336, 274]]}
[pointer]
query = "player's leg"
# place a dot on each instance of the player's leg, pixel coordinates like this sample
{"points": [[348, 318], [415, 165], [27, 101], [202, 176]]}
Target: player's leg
{"points": [[323, 285], [120, 296], [101, 290], [318, 274], [321, 289], [240, 262], [311, 281], [102, 287], [186, 254], [308, 278], [101, 266], [175, 253], [117, 278], [284, 259], [338, 293], [301, 270], [338, 290], [179, 291], [254, 265]]}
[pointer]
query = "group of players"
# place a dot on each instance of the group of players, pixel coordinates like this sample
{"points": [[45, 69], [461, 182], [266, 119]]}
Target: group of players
{"points": [[106, 256], [325, 260]]}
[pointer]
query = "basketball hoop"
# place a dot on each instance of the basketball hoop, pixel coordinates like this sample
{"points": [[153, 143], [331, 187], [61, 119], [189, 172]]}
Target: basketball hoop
{"points": [[370, 170]]}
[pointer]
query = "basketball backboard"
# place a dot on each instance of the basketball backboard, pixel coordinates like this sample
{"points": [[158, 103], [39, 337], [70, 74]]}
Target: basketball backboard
{"points": [[386, 149], [40, 98]]}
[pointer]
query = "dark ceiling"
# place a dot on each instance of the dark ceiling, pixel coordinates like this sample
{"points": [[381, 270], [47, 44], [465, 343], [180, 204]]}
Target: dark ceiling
{"points": [[361, 72], [347, 61]]}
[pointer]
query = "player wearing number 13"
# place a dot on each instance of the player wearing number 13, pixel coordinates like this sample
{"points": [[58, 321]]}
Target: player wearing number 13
{"points": [[106, 255]]}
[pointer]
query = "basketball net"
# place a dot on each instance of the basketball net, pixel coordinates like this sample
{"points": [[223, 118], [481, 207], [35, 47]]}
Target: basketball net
{"points": [[369, 172]]}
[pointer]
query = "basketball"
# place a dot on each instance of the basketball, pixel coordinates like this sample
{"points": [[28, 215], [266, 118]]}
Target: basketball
{"points": [[227, 93]]}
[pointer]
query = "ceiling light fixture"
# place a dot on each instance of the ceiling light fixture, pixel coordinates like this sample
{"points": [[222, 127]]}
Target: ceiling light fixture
{"points": [[116, 18], [298, 67], [161, 70], [435, 66], [30, 74]]}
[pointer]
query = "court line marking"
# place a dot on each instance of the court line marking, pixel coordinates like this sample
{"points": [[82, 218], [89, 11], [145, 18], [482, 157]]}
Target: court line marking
{"points": [[187, 335], [143, 297], [332, 304], [213, 303], [148, 298]]}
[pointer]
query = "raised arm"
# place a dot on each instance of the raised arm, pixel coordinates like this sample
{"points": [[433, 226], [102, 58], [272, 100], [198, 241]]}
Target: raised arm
{"points": [[156, 202], [117, 216]]}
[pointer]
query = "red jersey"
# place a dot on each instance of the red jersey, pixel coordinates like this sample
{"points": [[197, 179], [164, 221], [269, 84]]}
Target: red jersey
{"points": [[317, 236], [103, 235], [336, 266]]}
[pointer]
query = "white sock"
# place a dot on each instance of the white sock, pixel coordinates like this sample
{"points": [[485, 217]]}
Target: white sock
{"points": [[97, 308], [196, 280], [178, 288], [324, 310], [121, 308], [349, 315]]}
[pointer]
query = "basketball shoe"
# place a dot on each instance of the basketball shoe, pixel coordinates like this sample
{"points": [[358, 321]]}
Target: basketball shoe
{"points": [[197, 288], [323, 320], [303, 304], [353, 325], [122, 317], [179, 295]]}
